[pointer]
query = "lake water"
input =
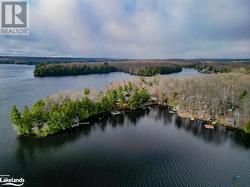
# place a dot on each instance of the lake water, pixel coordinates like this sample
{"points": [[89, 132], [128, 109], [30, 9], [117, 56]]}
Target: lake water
{"points": [[143, 148]]}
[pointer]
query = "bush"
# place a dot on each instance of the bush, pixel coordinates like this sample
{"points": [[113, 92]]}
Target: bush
{"points": [[246, 127]]}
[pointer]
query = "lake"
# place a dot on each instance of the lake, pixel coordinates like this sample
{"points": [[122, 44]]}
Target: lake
{"points": [[141, 148]]}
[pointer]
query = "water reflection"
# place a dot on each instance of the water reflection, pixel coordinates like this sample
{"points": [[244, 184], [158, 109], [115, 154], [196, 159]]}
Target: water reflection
{"points": [[30, 146], [218, 135]]}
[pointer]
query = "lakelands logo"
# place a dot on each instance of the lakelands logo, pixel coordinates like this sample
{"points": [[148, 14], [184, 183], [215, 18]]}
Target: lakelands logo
{"points": [[6, 180], [14, 17]]}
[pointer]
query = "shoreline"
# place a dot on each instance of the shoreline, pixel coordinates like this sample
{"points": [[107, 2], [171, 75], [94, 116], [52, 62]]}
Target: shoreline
{"points": [[194, 98], [99, 117]]}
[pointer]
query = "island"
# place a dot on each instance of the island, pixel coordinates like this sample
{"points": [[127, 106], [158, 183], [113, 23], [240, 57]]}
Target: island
{"points": [[216, 99], [133, 68], [139, 67]]}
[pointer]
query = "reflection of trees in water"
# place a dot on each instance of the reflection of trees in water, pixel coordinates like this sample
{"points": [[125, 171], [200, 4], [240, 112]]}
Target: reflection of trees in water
{"points": [[116, 121], [31, 146], [162, 114], [134, 116], [218, 135]]}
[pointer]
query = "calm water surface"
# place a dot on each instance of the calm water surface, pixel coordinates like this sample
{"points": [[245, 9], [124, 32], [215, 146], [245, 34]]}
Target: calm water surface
{"points": [[143, 148]]}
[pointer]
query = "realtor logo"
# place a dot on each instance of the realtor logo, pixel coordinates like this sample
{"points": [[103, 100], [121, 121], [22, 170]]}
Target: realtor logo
{"points": [[14, 17], [7, 180], [14, 14]]}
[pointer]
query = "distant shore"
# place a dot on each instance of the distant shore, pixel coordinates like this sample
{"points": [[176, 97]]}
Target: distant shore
{"points": [[49, 66], [133, 68]]}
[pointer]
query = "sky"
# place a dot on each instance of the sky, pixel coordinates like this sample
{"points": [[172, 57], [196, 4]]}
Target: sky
{"points": [[135, 29]]}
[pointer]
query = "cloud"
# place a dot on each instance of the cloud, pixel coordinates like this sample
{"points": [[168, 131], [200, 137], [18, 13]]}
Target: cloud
{"points": [[135, 29]]}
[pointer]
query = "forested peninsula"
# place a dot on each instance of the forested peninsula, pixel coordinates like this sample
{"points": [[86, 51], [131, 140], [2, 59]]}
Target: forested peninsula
{"points": [[222, 99], [140, 69]]}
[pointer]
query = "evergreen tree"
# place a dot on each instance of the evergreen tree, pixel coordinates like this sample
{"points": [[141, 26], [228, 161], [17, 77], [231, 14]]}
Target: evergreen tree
{"points": [[15, 118], [26, 121]]}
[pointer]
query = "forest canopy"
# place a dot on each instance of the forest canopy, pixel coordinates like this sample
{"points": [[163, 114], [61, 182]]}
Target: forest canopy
{"points": [[54, 114], [227, 102], [141, 69]]}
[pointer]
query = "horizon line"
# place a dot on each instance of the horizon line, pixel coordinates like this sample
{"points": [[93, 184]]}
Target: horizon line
{"points": [[116, 58]]}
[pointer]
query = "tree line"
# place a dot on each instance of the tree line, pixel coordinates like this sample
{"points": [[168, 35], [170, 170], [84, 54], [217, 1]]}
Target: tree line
{"points": [[219, 98], [223, 98], [147, 68], [43, 70], [51, 115], [140, 69]]}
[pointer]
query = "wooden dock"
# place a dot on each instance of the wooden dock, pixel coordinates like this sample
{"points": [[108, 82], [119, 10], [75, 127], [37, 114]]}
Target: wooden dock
{"points": [[209, 126]]}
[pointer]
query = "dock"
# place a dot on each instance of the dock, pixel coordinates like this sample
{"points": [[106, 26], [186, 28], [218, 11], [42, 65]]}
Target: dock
{"points": [[209, 126], [172, 112], [115, 113]]}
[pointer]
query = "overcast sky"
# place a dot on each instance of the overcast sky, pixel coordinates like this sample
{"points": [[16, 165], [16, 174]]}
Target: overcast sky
{"points": [[135, 29]]}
